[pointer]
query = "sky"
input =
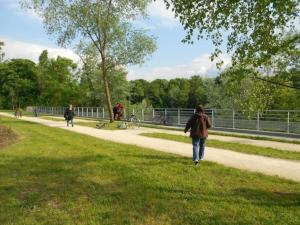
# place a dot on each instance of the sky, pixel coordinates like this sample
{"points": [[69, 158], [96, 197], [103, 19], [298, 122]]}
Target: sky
{"points": [[25, 37]]}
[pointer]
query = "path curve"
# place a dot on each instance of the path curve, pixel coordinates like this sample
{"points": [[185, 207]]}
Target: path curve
{"points": [[270, 166]]}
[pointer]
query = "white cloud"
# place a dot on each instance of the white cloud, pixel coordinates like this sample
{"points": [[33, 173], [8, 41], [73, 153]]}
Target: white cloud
{"points": [[201, 65], [15, 6], [165, 16], [25, 50]]}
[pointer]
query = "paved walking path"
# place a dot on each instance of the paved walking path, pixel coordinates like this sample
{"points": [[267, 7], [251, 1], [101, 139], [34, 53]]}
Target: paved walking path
{"points": [[283, 168], [262, 143], [76, 119]]}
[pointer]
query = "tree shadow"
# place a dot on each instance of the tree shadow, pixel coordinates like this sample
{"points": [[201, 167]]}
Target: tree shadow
{"points": [[115, 191], [268, 198]]}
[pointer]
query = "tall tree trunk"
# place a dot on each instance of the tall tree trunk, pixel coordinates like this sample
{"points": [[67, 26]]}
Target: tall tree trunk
{"points": [[107, 95]]}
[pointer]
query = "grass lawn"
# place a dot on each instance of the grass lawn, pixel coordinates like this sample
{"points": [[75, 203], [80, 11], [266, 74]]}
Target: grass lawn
{"points": [[244, 148], [53, 176], [24, 113]]}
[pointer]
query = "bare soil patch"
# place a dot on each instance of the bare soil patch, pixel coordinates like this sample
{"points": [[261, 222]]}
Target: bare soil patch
{"points": [[7, 136]]}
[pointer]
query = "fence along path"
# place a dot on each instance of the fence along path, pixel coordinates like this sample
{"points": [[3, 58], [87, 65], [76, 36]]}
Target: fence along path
{"points": [[282, 121], [280, 167]]}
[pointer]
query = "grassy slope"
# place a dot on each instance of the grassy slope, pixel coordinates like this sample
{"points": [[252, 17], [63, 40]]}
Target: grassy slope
{"points": [[244, 148], [54, 176]]}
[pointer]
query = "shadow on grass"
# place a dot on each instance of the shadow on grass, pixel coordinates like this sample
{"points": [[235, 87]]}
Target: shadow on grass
{"points": [[268, 198], [98, 182], [99, 186]]}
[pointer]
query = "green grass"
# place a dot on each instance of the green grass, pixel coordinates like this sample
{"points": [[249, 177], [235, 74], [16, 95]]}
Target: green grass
{"points": [[251, 136], [244, 148], [24, 113], [53, 176]]}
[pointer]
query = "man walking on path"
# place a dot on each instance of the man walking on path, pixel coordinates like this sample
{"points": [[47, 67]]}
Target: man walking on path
{"points": [[69, 115], [198, 125]]}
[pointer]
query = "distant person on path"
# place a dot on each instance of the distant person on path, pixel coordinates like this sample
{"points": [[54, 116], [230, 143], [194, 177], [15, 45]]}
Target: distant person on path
{"points": [[18, 113], [198, 125], [69, 115], [35, 112], [118, 111]]}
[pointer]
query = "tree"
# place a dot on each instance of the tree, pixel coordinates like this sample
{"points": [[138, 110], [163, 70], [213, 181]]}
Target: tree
{"points": [[89, 74], [253, 28], [56, 81], [197, 92], [215, 94], [245, 91], [18, 83], [284, 70], [106, 24], [2, 54], [177, 93], [157, 92], [138, 90]]}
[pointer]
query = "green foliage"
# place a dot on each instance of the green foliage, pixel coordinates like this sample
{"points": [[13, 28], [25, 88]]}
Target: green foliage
{"points": [[139, 90], [158, 92], [197, 93], [18, 80], [253, 28], [246, 92], [56, 79], [104, 24], [2, 54]]}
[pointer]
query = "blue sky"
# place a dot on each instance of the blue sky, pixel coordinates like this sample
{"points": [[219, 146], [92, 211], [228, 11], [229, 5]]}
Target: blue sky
{"points": [[24, 37]]}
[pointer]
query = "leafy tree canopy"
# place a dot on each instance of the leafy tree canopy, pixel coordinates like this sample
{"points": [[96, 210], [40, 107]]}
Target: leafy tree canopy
{"points": [[253, 28]]}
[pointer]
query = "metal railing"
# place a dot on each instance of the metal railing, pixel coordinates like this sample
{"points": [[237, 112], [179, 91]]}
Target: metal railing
{"points": [[284, 121]]}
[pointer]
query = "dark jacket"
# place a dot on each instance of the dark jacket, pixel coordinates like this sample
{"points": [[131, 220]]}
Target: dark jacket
{"points": [[198, 123], [69, 114]]}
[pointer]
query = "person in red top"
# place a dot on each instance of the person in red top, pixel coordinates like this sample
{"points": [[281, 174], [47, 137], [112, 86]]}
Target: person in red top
{"points": [[198, 125], [118, 111]]}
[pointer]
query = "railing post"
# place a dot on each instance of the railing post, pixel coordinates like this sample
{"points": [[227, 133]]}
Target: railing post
{"points": [[233, 121], [97, 112], [77, 111], [52, 111], [153, 114], [143, 116], [178, 114], [103, 112], [288, 122], [92, 111], [132, 111], [212, 118], [258, 120], [165, 116]]}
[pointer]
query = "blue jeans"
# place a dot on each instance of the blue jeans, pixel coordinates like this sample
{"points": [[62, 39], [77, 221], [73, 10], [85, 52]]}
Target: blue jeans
{"points": [[198, 148], [70, 121]]}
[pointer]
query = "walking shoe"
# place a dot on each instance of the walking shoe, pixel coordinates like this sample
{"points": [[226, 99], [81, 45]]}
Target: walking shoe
{"points": [[196, 163]]}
